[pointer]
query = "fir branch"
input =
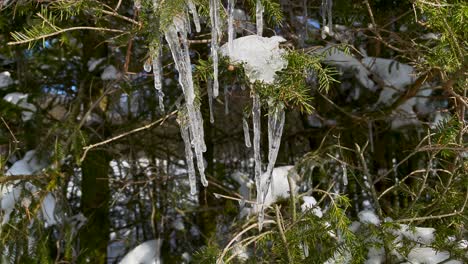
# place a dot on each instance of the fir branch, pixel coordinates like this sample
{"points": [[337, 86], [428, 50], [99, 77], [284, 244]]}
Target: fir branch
{"points": [[23, 39]]}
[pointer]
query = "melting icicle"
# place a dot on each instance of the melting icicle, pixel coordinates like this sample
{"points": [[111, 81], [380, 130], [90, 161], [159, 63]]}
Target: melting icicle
{"points": [[210, 100], [157, 72], [245, 126], [276, 119], [259, 17], [215, 33], [147, 66], [184, 131], [231, 5], [256, 117], [181, 56], [196, 18]]}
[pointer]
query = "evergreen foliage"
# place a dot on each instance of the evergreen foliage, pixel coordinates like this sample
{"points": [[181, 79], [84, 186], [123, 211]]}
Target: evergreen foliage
{"points": [[115, 162]]}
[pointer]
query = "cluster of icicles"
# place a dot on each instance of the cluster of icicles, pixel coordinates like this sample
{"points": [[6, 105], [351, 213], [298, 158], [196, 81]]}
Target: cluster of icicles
{"points": [[191, 124]]}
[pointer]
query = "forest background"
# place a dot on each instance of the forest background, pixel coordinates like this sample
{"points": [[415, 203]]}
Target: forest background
{"points": [[110, 117]]}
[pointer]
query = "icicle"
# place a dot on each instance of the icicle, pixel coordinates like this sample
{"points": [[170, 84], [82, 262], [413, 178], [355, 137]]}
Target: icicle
{"points": [[215, 33], [161, 100], [345, 174], [157, 72], [196, 18], [231, 5], [147, 65], [226, 100], [217, 18], [327, 23], [259, 17], [256, 117], [196, 128], [210, 100], [329, 13], [188, 26], [181, 58], [245, 126], [184, 131], [276, 119], [199, 119], [182, 62]]}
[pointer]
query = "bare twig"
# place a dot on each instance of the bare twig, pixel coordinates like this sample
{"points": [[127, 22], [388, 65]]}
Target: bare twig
{"points": [[234, 239], [15, 140], [279, 223], [157, 122], [423, 218], [10, 178]]}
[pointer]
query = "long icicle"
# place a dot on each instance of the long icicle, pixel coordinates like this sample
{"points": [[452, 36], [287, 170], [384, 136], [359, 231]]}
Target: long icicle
{"points": [[231, 5], [184, 131], [157, 72], [181, 56], [259, 17], [245, 127], [196, 18], [215, 32], [155, 52], [276, 120], [256, 117], [209, 89], [327, 23]]}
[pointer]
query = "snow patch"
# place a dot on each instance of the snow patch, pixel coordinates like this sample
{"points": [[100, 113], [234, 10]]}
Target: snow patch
{"points": [[310, 203], [279, 179], [93, 63], [348, 63], [426, 255], [5, 79], [261, 56], [10, 195], [110, 73], [369, 217], [21, 100], [147, 253]]}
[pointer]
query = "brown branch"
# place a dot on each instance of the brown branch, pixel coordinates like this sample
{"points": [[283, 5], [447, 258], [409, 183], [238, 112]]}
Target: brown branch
{"points": [[10, 178]]}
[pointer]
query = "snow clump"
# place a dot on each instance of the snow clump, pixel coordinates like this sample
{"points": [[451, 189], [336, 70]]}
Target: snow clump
{"points": [[262, 57]]}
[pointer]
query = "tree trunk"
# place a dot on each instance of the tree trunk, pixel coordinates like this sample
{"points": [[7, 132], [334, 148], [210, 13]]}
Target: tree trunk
{"points": [[94, 236]]}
